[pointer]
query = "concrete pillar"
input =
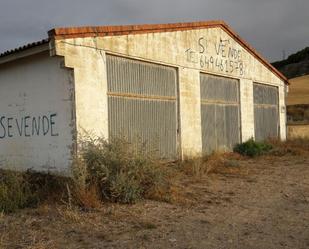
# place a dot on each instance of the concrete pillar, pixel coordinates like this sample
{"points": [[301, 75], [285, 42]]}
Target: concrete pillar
{"points": [[282, 113], [90, 79], [246, 109], [190, 112]]}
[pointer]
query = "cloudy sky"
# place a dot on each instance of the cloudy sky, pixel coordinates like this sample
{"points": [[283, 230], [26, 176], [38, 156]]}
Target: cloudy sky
{"points": [[271, 26]]}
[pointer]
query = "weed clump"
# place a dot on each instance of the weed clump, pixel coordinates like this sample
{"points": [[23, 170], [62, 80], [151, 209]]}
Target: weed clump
{"points": [[202, 166], [121, 171], [15, 192], [27, 189], [115, 171], [252, 148], [295, 147]]}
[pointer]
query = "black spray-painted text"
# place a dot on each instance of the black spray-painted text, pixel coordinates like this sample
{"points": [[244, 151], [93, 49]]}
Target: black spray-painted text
{"points": [[225, 59], [28, 126]]}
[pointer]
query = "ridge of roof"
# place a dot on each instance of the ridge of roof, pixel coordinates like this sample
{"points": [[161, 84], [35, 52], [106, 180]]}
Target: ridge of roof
{"points": [[89, 31], [94, 31]]}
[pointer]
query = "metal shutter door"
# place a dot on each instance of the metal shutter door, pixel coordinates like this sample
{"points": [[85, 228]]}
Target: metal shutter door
{"points": [[266, 116], [142, 104], [219, 113]]}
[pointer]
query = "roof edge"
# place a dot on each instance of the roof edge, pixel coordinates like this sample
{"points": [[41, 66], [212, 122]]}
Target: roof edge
{"points": [[24, 51], [94, 31], [255, 53], [60, 33]]}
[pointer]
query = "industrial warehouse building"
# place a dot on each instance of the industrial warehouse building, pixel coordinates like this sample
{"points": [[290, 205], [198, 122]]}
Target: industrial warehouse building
{"points": [[186, 89]]}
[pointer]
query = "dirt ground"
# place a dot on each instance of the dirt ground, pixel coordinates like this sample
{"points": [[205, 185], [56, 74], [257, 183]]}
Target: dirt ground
{"points": [[247, 204]]}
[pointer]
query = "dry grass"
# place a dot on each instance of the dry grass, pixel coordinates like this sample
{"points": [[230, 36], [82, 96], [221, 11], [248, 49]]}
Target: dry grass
{"points": [[39, 243], [299, 91], [87, 198], [210, 203], [295, 147], [72, 214], [43, 209], [298, 131], [35, 241], [191, 184], [153, 180], [201, 167]]}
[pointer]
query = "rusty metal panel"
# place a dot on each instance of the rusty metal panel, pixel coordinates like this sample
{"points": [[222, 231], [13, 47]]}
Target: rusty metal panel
{"points": [[266, 115], [264, 94], [208, 112], [219, 88], [138, 77], [219, 113], [149, 122], [232, 125], [220, 127], [142, 104]]}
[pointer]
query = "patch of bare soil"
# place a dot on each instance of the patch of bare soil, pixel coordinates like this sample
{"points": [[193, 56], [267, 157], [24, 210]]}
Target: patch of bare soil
{"points": [[245, 204]]}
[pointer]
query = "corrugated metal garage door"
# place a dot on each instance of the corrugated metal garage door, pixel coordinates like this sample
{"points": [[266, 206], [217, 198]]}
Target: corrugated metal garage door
{"points": [[266, 116], [142, 104], [219, 113]]}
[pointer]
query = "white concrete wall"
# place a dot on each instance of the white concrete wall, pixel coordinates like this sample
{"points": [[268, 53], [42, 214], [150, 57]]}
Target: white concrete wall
{"points": [[193, 51], [90, 85], [36, 114]]}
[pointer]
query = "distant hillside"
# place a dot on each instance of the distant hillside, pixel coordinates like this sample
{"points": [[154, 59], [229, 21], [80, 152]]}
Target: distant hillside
{"points": [[295, 65]]}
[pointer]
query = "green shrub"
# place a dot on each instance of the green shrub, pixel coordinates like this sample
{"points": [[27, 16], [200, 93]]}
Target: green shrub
{"points": [[116, 171], [122, 172], [252, 148]]}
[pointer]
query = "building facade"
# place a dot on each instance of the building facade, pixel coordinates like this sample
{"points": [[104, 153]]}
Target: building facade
{"points": [[184, 89]]}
